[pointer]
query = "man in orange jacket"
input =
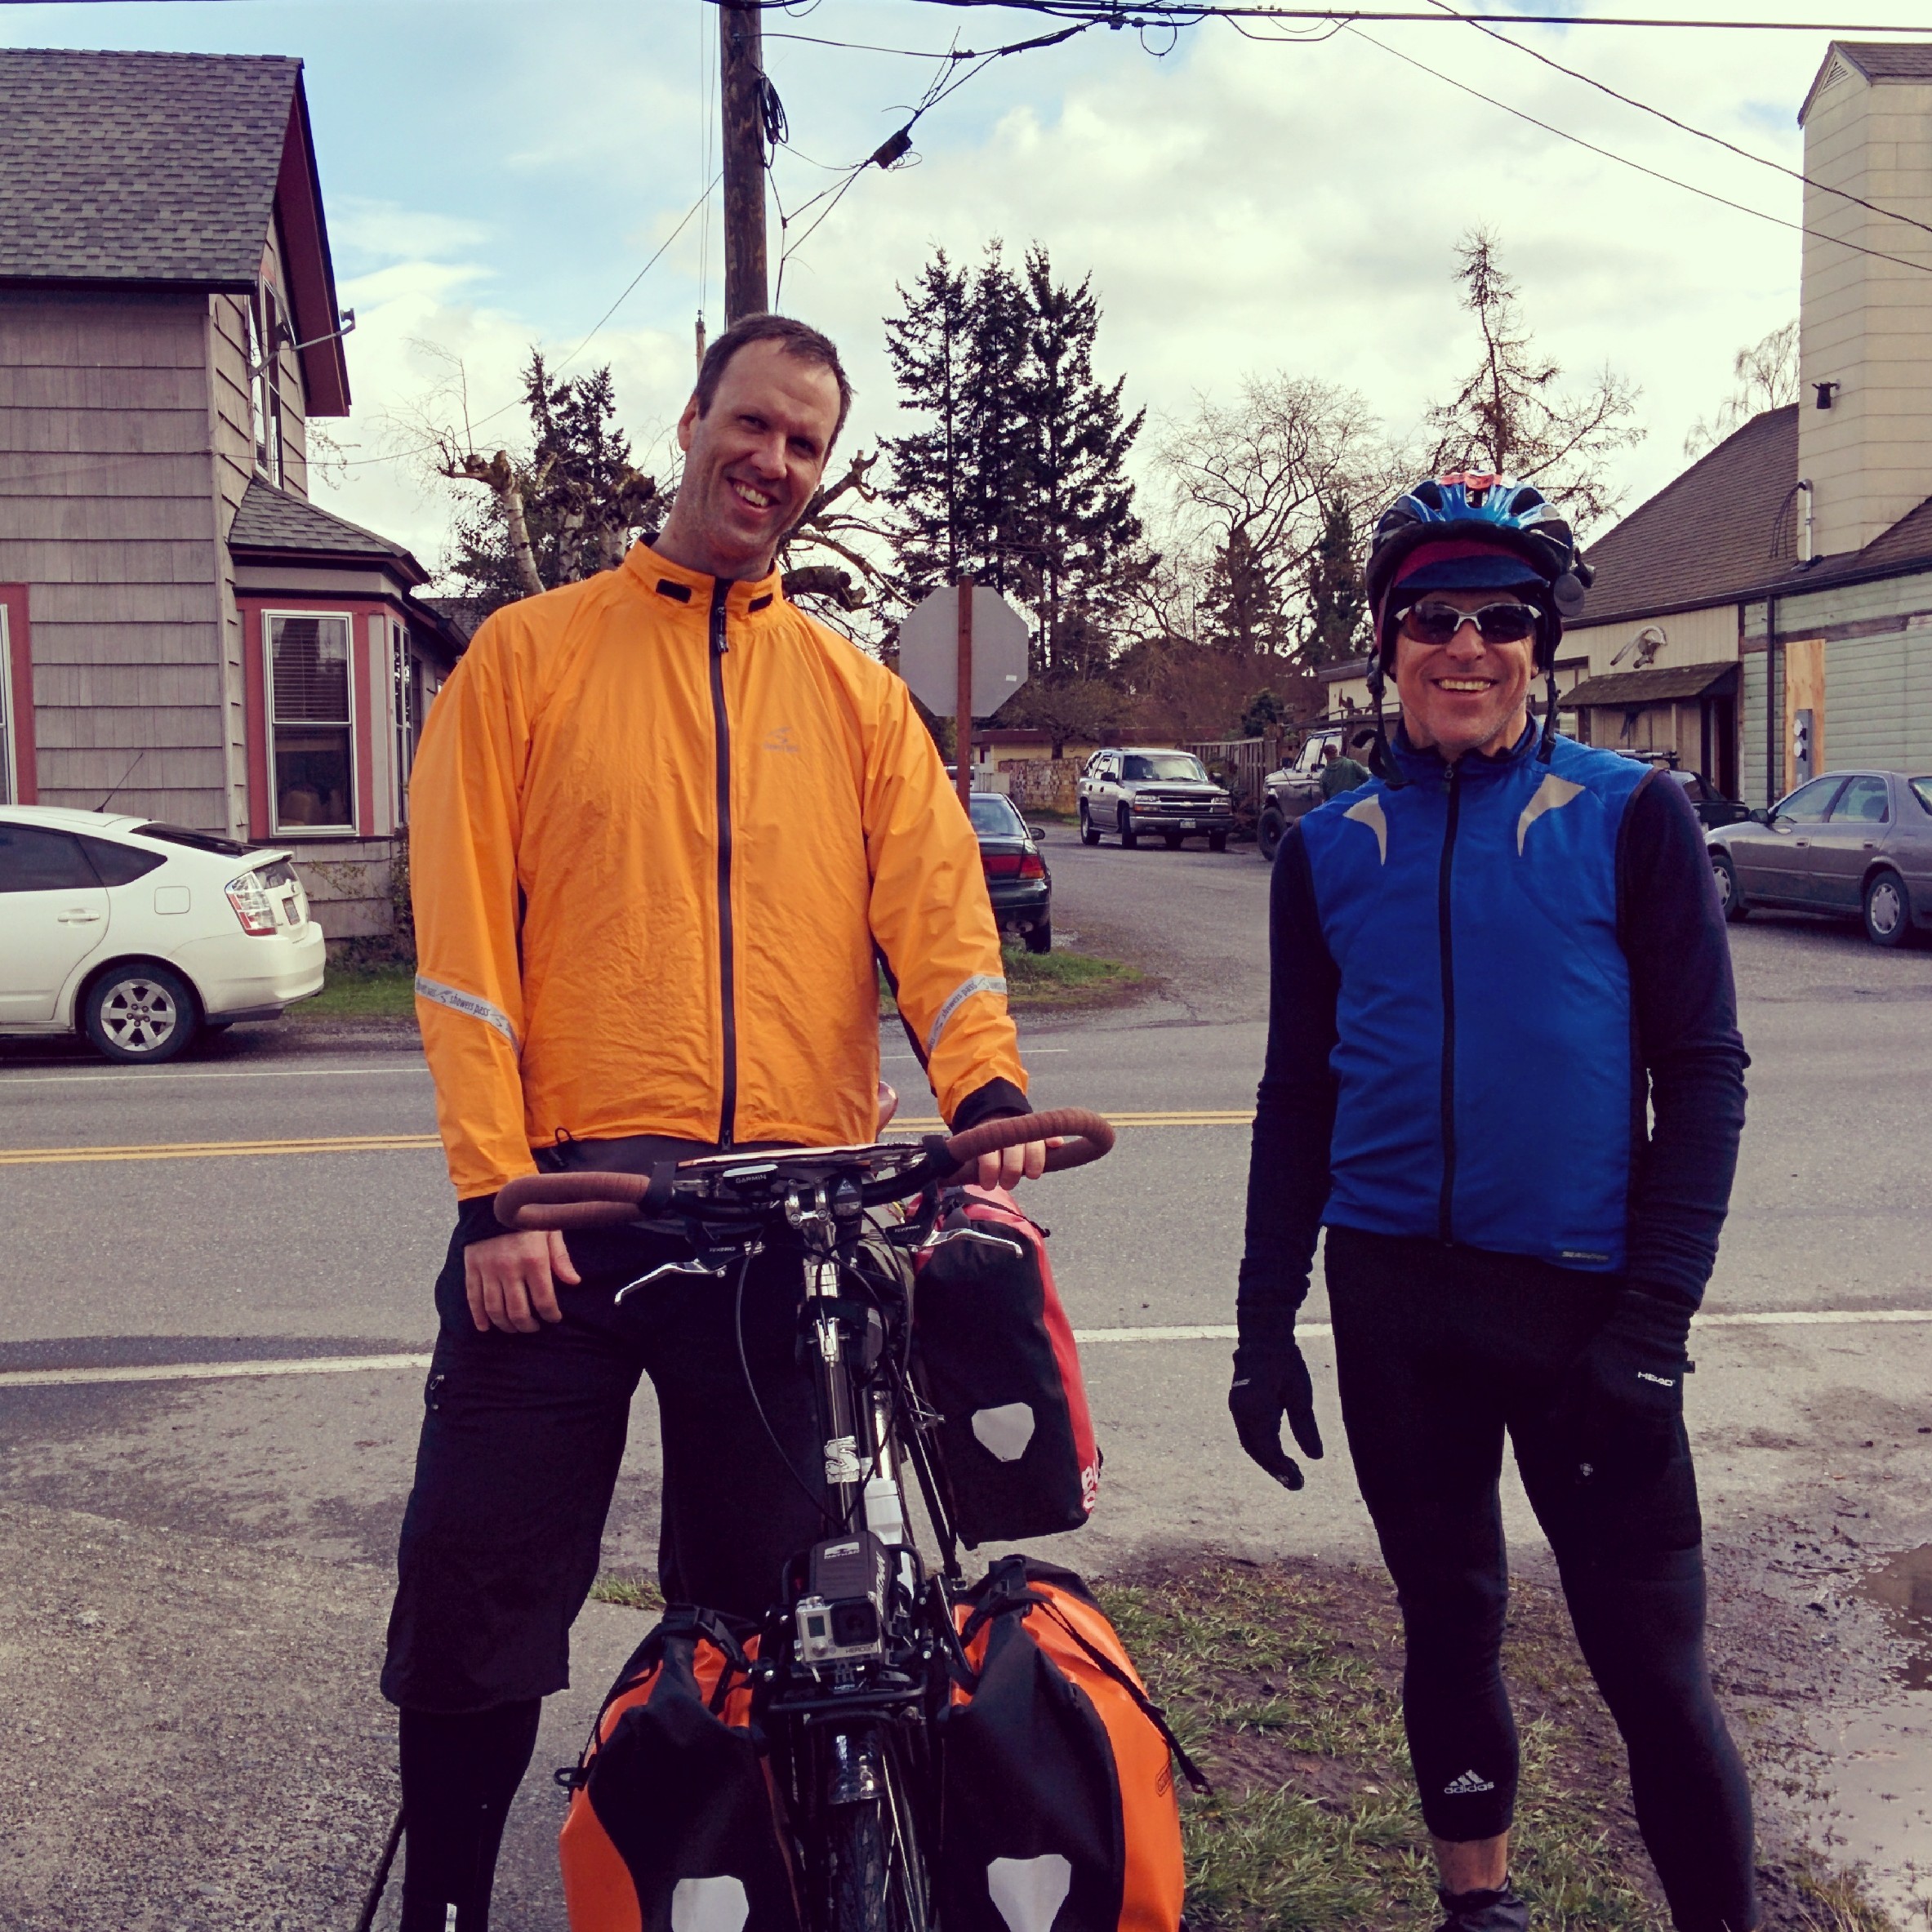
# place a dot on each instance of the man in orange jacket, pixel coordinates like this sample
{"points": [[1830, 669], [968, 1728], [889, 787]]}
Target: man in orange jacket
{"points": [[664, 828]]}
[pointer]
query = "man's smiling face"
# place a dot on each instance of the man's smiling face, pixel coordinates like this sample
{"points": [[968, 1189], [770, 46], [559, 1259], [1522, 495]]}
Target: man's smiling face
{"points": [[1465, 695], [751, 460]]}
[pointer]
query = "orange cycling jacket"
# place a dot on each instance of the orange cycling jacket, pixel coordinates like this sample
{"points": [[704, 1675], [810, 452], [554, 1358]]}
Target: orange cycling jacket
{"points": [[659, 823]]}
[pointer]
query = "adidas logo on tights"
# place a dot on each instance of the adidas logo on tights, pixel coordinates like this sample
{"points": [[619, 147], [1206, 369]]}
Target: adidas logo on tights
{"points": [[1467, 1786]]}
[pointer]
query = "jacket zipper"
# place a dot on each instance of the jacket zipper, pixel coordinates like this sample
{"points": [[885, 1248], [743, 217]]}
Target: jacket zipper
{"points": [[1444, 1211], [726, 963]]}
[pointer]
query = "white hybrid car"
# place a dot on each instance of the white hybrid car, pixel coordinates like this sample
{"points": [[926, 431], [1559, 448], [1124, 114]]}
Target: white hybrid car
{"points": [[141, 934]]}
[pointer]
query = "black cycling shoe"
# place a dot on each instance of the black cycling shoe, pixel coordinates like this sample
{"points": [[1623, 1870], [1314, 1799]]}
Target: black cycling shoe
{"points": [[1482, 1912]]}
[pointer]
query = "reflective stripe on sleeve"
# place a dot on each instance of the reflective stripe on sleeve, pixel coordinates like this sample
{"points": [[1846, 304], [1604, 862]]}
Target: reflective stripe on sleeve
{"points": [[477, 1010], [980, 983]]}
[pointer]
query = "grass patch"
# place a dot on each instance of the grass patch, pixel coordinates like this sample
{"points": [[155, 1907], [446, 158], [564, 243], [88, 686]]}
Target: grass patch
{"points": [[361, 993], [1284, 1682], [629, 1593], [1036, 979]]}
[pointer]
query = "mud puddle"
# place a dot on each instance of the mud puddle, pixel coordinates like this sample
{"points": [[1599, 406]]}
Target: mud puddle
{"points": [[1876, 1806]]}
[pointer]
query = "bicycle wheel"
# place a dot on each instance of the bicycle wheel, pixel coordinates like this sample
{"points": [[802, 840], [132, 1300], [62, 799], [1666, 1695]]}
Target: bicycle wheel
{"points": [[875, 1872]]}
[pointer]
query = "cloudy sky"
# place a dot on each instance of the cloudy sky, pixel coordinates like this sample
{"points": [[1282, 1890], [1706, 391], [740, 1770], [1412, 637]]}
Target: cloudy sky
{"points": [[497, 172]]}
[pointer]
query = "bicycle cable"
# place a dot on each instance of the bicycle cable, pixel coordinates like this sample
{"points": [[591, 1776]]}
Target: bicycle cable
{"points": [[817, 1502]]}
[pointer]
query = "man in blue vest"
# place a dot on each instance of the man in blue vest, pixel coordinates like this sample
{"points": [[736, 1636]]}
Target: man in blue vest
{"points": [[1504, 1072]]}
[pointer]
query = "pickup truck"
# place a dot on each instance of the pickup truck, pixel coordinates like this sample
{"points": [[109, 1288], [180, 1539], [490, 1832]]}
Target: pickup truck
{"points": [[1145, 789], [1296, 788]]}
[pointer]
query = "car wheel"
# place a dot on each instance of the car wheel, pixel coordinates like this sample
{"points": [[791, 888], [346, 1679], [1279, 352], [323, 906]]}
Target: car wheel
{"points": [[1729, 896], [1888, 911], [1267, 834], [1089, 831], [1129, 838], [1040, 939], [1172, 840], [1217, 842], [143, 1013]]}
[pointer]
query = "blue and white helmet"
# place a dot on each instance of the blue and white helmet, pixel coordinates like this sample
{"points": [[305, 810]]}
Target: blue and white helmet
{"points": [[1467, 529]]}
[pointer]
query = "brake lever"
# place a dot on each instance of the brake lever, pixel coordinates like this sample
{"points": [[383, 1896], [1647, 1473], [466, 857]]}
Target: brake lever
{"points": [[713, 1267]]}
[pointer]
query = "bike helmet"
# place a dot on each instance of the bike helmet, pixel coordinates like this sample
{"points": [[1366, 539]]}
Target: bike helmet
{"points": [[1468, 532]]}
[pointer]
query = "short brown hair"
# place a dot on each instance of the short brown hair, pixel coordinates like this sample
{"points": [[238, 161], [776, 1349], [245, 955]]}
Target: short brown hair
{"points": [[796, 338]]}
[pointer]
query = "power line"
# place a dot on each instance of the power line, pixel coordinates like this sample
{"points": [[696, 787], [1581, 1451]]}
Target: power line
{"points": [[1701, 133], [1136, 13], [1625, 161], [422, 448]]}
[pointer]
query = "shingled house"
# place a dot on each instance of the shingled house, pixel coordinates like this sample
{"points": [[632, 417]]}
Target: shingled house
{"points": [[180, 626], [1769, 612]]}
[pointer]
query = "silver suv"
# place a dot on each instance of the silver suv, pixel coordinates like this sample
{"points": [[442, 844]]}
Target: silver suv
{"points": [[1143, 789]]}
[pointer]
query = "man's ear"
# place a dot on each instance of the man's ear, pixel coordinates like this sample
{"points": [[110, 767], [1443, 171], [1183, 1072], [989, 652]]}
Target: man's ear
{"points": [[686, 423]]}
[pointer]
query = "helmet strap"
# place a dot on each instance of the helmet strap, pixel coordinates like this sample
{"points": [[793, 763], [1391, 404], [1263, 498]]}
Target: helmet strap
{"points": [[1382, 760], [1547, 746]]}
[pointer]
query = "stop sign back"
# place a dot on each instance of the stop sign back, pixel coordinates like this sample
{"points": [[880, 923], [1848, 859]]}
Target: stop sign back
{"points": [[930, 651]]}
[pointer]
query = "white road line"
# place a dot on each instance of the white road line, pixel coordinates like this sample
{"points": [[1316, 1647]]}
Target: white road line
{"points": [[153, 1077], [343, 1365], [325, 1364]]}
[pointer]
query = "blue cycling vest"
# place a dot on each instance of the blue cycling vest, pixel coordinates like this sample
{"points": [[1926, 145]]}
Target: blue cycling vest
{"points": [[1488, 1089]]}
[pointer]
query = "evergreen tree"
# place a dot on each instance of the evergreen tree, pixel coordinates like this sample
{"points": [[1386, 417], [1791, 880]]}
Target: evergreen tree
{"points": [[1015, 469], [930, 347], [566, 510], [1336, 610], [1241, 605]]}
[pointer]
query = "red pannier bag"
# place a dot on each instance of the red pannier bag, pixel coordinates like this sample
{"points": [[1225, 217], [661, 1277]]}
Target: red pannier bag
{"points": [[674, 1824], [996, 1357], [1057, 1782]]}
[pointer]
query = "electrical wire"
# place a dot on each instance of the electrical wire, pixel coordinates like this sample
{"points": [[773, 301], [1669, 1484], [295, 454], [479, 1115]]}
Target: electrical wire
{"points": [[1625, 161], [558, 368], [1134, 13], [1701, 134]]}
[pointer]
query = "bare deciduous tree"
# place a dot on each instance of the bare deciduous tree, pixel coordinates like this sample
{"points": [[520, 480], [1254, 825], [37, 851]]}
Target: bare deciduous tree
{"points": [[1765, 373], [1512, 417]]}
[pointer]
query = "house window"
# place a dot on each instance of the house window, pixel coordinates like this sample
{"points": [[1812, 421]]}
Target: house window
{"points": [[265, 382], [310, 739], [403, 680]]}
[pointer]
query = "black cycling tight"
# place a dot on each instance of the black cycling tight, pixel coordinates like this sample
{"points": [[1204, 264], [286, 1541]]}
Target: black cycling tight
{"points": [[1439, 1352]]}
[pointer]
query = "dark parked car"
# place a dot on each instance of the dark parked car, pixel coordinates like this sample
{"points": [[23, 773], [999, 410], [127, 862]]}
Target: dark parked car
{"points": [[1143, 789], [1017, 881], [1712, 807], [1858, 842]]}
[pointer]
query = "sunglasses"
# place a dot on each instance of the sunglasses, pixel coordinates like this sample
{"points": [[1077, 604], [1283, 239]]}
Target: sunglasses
{"points": [[1496, 623]]}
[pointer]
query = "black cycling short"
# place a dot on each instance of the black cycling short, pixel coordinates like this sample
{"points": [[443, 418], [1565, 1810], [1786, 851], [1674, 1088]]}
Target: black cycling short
{"points": [[522, 1439], [1440, 1352]]}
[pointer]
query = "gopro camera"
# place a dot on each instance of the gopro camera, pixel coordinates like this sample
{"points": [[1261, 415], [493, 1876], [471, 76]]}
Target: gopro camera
{"points": [[841, 1613]]}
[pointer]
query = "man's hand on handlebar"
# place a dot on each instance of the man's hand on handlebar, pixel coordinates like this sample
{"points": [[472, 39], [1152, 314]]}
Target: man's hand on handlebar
{"points": [[510, 1279], [1009, 1166]]}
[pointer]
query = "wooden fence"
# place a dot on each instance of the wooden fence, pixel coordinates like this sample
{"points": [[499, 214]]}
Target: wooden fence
{"points": [[1241, 763]]}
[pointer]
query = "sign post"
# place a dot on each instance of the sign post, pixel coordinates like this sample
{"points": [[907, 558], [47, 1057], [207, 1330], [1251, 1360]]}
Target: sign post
{"points": [[963, 649], [962, 702]]}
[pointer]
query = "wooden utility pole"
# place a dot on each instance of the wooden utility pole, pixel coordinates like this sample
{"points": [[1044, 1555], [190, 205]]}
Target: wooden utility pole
{"points": [[963, 716], [741, 45]]}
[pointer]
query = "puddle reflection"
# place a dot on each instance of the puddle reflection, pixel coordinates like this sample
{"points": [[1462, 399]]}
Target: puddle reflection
{"points": [[1903, 1587]]}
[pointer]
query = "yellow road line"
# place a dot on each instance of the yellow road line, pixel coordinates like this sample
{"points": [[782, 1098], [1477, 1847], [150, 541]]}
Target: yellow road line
{"points": [[383, 1143]]}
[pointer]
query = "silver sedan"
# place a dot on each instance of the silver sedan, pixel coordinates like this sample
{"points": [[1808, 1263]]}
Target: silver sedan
{"points": [[1858, 842]]}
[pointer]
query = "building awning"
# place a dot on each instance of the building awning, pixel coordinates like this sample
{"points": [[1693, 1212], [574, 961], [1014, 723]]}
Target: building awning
{"points": [[1631, 691]]}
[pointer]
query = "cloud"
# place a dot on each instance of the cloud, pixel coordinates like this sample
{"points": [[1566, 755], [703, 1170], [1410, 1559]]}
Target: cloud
{"points": [[1240, 206]]}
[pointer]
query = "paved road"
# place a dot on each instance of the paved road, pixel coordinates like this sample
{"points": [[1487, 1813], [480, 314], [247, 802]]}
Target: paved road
{"points": [[258, 1515]]}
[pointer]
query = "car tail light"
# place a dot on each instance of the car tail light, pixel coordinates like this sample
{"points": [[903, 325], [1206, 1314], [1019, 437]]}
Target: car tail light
{"points": [[253, 906], [1032, 865], [1003, 864]]}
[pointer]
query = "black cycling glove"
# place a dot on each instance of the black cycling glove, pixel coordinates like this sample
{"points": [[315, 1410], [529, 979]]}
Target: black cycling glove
{"points": [[1620, 1404], [1271, 1383]]}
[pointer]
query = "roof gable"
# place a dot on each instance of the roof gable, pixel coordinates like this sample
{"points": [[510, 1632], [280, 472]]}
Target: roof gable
{"points": [[1705, 537], [165, 170], [1907, 60]]}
